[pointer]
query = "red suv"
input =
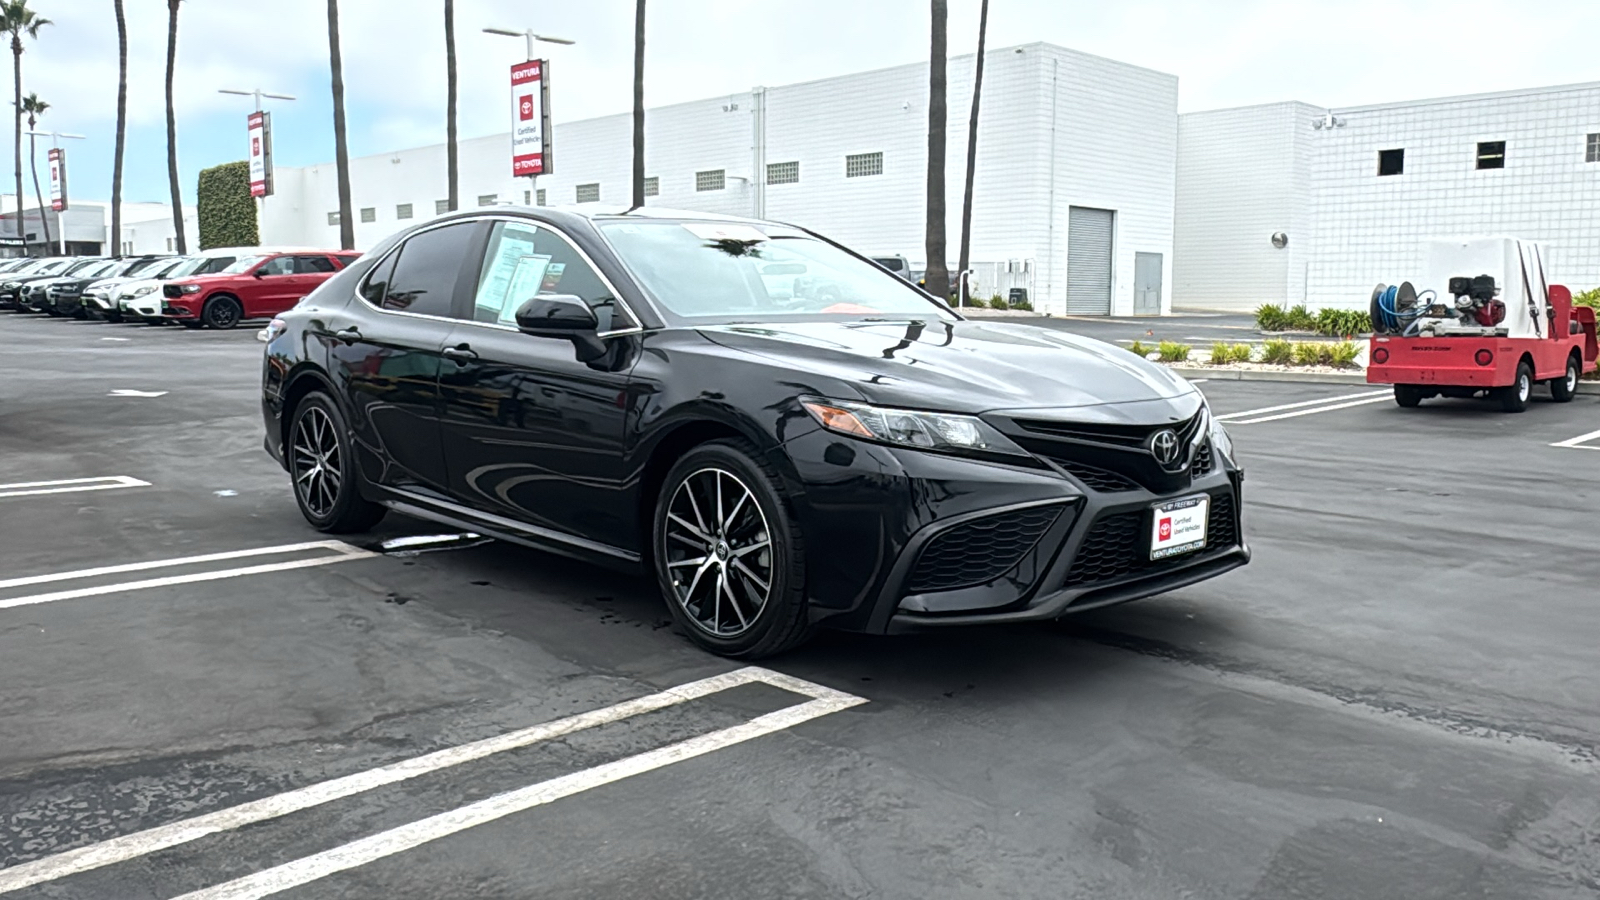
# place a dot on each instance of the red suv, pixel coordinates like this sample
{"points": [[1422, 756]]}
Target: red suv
{"points": [[254, 287]]}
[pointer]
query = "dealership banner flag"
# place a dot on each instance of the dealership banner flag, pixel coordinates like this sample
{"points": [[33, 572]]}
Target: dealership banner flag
{"points": [[260, 126], [58, 179], [530, 118]]}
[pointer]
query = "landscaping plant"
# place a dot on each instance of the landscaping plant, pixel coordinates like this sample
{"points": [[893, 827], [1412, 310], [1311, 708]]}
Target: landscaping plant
{"points": [[1173, 352], [1139, 349], [1342, 354], [1241, 353], [1270, 317], [1277, 352], [1308, 354], [1343, 322], [998, 302], [1590, 299], [1301, 319]]}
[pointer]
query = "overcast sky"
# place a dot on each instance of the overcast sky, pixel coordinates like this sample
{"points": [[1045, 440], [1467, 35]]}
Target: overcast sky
{"points": [[1225, 53]]}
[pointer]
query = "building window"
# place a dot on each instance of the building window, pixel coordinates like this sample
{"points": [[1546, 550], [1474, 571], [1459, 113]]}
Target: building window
{"points": [[713, 180], [440, 207], [652, 186], [783, 173], [527, 198], [333, 217], [539, 196], [170, 247], [1391, 162], [487, 199], [861, 165], [589, 193], [1592, 153], [369, 214], [1492, 155], [402, 211]]}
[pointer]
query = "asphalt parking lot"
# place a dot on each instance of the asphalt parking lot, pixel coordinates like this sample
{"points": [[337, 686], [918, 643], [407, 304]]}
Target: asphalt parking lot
{"points": [[203, 698]]}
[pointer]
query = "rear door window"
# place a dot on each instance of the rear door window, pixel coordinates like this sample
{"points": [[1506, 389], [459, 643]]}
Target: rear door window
{"points": [[428, 269], [313, 265]]}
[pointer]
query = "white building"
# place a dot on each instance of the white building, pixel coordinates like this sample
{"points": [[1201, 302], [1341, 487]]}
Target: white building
{"points": [[1076, 160], [146, 227], [1358, 191]]}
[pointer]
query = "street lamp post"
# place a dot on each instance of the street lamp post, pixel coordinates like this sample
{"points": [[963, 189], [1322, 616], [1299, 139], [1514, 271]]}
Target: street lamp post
{"points": [[258, 93], [531, 37], [55, 143]]}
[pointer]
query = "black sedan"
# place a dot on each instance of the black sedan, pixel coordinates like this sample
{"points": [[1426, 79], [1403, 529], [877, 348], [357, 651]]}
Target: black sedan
{"points": [[663, 391]]}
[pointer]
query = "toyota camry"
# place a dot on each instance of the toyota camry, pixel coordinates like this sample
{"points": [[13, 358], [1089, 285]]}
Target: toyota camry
{"points": [[784, 434]]}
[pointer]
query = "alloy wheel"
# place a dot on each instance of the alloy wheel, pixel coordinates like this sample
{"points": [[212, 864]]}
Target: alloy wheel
{"points": [[718, 552], [318, 467]]}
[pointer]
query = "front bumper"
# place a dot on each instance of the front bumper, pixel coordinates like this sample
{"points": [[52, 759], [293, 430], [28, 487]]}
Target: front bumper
{"points": [[905, 540]]}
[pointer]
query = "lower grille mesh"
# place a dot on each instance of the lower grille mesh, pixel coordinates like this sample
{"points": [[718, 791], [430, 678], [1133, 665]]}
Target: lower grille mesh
{"points": [[1116, 545], [979, 551]]}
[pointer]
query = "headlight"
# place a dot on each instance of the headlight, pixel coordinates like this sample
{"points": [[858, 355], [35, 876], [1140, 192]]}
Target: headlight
{"points": [[911, 428], [11, 285], [147, 289], [190, 289]]}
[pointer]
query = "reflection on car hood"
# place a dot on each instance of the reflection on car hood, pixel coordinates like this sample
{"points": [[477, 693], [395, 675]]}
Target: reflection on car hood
{"points": [[960, 366]]}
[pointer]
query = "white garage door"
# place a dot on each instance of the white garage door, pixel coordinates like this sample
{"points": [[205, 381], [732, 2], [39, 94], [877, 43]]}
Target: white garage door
{"points": [[1089, 234]]}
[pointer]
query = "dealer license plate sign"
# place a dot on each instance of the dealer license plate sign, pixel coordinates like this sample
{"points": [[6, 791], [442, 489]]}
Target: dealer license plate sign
{"points": [[1179, 527]]}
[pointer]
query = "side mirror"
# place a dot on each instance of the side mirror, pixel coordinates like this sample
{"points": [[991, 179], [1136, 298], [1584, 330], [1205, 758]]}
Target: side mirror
{"points": [[563, 316], [556, 315], [260, 273]]}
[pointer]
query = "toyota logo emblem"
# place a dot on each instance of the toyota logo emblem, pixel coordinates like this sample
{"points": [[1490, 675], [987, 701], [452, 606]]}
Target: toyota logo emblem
{"points": [[1164, 447]]}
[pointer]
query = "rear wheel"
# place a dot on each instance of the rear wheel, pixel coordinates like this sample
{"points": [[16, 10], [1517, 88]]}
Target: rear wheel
{"points": [[1408, 396], [1514, 399], [1563, 389], [729, 557], [222, 312], [321, 461]]}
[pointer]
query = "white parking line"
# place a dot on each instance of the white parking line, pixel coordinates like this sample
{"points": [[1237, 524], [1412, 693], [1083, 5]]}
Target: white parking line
{"points": [[270, 881], [1577, 442], [70, 486], [1304, 403], [1311, 412], [342, 552]]}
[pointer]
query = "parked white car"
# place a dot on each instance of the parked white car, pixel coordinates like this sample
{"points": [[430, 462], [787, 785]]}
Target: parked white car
{"points": [[142, 299]]}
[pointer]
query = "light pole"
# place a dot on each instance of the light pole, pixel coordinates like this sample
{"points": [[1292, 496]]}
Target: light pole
{"points": [[528, 33], [258, 93], [55, 143]]}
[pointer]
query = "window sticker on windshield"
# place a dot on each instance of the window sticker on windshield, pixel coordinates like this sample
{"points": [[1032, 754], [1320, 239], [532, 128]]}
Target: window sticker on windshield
{"points": [[715, 231]]}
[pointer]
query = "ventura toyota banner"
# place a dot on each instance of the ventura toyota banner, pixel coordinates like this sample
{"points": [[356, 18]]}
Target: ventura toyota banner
{"points": [[58, 179], [530, 118], [260, 124]]}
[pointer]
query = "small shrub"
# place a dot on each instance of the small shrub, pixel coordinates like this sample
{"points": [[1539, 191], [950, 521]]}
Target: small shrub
{"points": [[998, 302], [1342, 354], [1308, 354], [1343, 322], [1173, 352], [1221, 354], [1300, 319], [1240, 353], [1277, 352], [1590, 299], [1270, 317], [1022, 305], [1139, 349]]}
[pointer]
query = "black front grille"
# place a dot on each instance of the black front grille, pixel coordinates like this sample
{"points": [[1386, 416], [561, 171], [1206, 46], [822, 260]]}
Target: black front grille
{"points": [[1135, 436], [979, 551], [1096, 478], [1202, 461], [1117, 545], [171, 290]]}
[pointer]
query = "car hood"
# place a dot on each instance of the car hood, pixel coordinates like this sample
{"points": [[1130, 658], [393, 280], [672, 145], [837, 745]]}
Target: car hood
{"points": [[960, 366]]}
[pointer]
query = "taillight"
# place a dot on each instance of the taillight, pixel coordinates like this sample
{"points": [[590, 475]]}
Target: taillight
{"points": [[1484, 357], [270, 333], [1380, 355]]}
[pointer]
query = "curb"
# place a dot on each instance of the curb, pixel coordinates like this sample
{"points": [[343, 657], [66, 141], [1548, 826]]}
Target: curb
{"points": [[1297, 377]]}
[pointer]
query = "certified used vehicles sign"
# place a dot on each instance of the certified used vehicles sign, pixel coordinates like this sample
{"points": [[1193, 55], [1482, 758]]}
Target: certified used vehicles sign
{"points": [[1179, 526]]}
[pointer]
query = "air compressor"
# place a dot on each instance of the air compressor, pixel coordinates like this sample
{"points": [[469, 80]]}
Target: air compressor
{"points": [[1485, 323]]}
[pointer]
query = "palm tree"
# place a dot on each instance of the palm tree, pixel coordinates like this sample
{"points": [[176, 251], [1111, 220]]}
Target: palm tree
{"points": [[937, 276], [122, 128], [972, 152], [341, 147], [638, 105], [452, 161], [179, 242], [17, 20], [35, 108]]}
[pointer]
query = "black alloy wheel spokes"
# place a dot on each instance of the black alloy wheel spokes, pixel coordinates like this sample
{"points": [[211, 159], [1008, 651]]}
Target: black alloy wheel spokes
{"points": [[318, 468], [718, 552]]}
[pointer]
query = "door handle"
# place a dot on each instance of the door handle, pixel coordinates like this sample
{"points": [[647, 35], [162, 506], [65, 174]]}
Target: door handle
{"points": [[461, 354], [349, 335]]}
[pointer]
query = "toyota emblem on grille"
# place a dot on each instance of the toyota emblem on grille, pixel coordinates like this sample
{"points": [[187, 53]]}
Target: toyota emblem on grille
{"points": [[1164, 447]]}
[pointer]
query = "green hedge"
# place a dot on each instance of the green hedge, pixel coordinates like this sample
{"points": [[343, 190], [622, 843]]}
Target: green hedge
{"points": [[227, 211]]}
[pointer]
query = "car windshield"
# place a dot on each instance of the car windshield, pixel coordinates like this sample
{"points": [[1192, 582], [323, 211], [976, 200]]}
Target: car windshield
{"points": [[144, 266], [106, 268], [703, 270], [177, 268], [242, 264], [82, 266]]}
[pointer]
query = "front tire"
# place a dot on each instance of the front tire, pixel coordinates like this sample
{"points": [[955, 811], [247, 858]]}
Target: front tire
{"points": [[222, 313], [1407, 396], [729, 556], [1514, 399], [1563, 389], [322, 463]]}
